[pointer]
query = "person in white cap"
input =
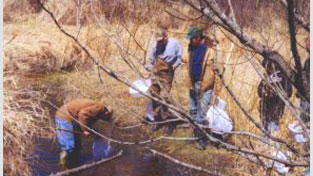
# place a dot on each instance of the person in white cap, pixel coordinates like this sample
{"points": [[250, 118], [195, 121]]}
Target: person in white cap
{"points": [[165, 58]]}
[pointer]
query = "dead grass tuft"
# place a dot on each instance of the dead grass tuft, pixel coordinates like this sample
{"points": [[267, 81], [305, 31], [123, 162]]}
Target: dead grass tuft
{"points": [[23, 116], [15, 9], [38, 49]]}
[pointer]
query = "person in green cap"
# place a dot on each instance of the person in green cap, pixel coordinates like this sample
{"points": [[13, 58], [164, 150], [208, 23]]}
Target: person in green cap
{"points": [[165, 57], [204, 84]]}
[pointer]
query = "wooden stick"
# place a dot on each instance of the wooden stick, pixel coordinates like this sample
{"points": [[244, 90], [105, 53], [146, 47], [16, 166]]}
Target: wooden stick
{"points": [[86, 166], [184, 164]]}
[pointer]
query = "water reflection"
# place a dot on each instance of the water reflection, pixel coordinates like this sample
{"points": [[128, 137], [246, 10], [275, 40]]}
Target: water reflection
{"points": [[45, 156], [100, 150], [135, 161]]}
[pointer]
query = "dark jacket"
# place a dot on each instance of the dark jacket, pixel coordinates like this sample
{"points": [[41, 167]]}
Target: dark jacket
{"points": [[265, 91]]}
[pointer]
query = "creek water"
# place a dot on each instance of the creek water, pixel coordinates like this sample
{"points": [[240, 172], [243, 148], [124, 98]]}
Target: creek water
{"points": [[135, 160]]}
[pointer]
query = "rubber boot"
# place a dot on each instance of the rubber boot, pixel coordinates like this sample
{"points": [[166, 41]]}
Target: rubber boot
{"points": [[168, 130], [201, 140], [63, 160]]}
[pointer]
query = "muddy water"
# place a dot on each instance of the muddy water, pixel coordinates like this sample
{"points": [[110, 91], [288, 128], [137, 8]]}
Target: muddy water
{"points": [[135, 160]]}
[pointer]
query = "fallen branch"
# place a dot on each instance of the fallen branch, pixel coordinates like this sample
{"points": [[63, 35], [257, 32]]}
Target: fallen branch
{"points": [[86, 166], [184, 164], [145, 122]]}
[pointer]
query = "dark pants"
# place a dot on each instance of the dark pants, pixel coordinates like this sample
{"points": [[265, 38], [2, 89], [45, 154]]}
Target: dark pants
{"points": [[271, 110], [161, 86]]}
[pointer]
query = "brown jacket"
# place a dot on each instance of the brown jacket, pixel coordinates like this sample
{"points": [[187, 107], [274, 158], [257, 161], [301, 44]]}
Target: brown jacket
{"points": [[208, 78], [84, 110]]}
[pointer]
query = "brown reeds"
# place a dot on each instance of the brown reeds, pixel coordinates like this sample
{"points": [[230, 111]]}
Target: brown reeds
{"points": [[23, 117]]}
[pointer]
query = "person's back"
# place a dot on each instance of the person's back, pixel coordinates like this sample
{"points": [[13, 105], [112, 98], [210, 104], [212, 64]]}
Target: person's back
{"points": [[71, 109]]}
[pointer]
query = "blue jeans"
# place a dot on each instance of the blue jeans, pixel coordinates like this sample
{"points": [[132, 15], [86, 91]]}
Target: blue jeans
{"points": [[67, 140], [199, 102]]}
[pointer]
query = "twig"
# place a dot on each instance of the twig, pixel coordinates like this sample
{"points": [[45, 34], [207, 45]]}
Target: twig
{"points": [[145, 122], [14, 36], [99, 75], [184, 164], [87, 166]]}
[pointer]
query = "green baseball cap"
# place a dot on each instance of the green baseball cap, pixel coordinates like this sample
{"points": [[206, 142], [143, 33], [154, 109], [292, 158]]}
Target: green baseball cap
{"points": [[194, 31]]}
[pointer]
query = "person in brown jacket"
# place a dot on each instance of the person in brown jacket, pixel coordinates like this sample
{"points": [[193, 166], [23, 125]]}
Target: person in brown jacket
{"points": [[72, 119], [205, 85]]}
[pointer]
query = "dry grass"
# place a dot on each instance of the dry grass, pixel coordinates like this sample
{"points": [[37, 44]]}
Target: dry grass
{"points": [[18, 10], [36, 48], [23, 119]]}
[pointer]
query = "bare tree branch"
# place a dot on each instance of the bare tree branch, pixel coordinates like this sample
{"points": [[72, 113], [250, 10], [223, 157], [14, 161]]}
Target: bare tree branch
{"points": [[304, 22], [293, 44], [87, 166], [184, 164]]}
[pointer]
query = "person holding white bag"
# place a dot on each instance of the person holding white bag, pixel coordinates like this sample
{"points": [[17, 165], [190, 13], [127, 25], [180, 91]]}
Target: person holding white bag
{"points": [[204, 84]]}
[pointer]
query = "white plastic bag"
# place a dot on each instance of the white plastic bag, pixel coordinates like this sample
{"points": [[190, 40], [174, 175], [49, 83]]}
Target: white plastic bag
{"points": [[279, 167], [142, 85], [296, 132], [219, 120], [221, 103]]}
